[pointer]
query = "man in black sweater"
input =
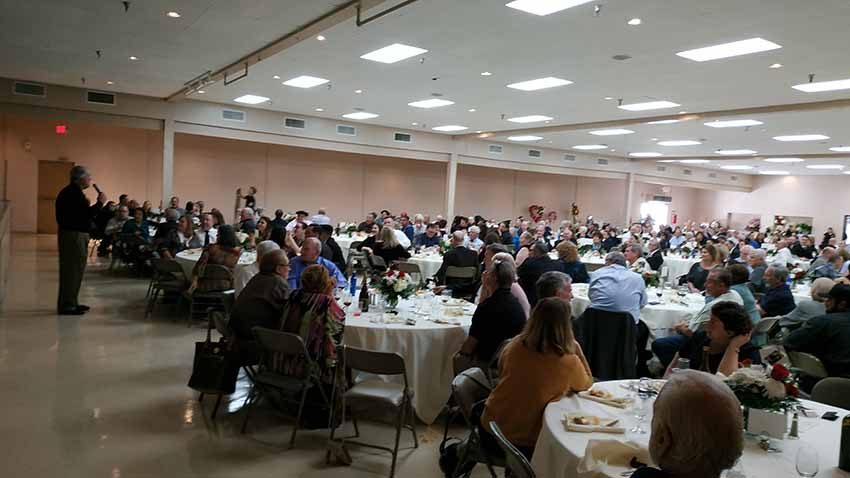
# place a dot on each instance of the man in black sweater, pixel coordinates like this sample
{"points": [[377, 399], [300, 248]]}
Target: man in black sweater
{"points": [[458, 256], [531, 269], [74, 216]]}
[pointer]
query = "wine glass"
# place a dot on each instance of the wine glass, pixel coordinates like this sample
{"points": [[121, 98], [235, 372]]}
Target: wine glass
{"points": [[346, 298], [807, 461], [641, 404]]}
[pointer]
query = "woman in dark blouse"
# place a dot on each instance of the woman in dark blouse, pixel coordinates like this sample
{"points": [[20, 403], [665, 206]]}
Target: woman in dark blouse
{"points": [[388, 247], [570, 263], [699, 272]]}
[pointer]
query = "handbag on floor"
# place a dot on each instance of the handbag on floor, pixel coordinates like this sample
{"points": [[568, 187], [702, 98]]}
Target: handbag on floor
{"points": [[215, 367]]}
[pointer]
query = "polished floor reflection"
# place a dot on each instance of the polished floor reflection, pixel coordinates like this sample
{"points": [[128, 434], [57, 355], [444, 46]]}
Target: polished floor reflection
{"points": [[104, 395]]}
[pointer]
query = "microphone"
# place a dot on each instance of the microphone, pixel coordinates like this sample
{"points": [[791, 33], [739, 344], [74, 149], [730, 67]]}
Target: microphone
{"points": [[97, 188]]}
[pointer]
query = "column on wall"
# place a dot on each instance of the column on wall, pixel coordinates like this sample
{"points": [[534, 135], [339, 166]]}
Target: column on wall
{"points": [[167, 160], [630, 187], [451, 184]]}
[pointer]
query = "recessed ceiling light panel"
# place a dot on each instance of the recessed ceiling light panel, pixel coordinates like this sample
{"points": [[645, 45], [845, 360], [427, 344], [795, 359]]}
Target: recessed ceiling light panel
{"points": [[680, 142], [589, 147], [669, 121], [773, 172], [736, 167], [393, 53], [649, 105], [450, 127], [635, 22], [841, 149], [611, 132], [544, 7], [539, 84], [733, 123], [305, 81], [694, 161], [173, 14], [735, 152], [801, 137], [727, 50], [825, 166], [529, 119], [648, 154], [783, 160], [360, 115], [431, 103], [251, 99], [821, 86], [524, 138]]}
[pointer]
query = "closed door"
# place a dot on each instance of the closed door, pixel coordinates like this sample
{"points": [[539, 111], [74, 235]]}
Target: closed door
{"points": [[52, 177]]}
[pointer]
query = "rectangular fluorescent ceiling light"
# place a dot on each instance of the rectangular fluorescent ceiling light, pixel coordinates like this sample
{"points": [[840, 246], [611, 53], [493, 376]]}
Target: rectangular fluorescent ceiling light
{"points": [[682, 142], [650, 154], [726, 50], [736, 167], [525, 138], [841, 149], [733, 123], [431, 103], [393, 53], [820, 86], [544, 7], [251, 99], [539, 84], [670, 121], [649, 105], [360, 115], [825, 166], [529, 119], [694, 161], [450, 127], [590, 146], [305, 81], [783, 160], [735, 152], [801, 137], [774, 173], [611, 132]]}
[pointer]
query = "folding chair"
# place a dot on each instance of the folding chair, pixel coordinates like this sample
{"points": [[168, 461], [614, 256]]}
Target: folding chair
{"points": [[458, 277], [275, 345], [516, 461], [833, 391], [807, 364], [378, 392], [168, 277], [203, 298], [469, 390]]}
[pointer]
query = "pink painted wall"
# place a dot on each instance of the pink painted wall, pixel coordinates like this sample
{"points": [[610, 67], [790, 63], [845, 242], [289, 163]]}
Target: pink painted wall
{"points": [[121, 160]]}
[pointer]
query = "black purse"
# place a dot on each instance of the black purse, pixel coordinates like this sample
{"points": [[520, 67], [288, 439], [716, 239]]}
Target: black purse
{"points": [[215, 368]]}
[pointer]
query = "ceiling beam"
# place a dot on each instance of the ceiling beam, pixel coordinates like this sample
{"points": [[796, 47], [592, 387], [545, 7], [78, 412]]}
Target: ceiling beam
{"points": [[757, 110], [342, 13]]}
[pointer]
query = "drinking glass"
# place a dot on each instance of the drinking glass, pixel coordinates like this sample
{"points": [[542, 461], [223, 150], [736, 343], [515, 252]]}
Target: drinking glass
{"points": [[682, 364], [807, 461], [641, 404]]}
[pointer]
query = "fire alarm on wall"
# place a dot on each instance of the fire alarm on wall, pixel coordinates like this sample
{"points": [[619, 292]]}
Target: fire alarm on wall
{"points": [[61, 129], [27, 146]]}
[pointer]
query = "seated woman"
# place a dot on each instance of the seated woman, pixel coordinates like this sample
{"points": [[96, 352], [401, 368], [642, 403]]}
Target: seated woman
{"points": [[526, 239], [185, 232], [224, 252], [282, 237], [806, 309], [597, 245], [312, 313], [388, 247], [488, 286], [723, 344], [570, 263], [138, 226], [695, 279], [539, 366], [261, 233], [374, 236]]}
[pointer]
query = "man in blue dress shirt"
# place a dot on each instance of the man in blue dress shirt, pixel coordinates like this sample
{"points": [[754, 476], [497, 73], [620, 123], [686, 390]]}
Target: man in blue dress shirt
{"points": [[614, 288], [310, 254]]}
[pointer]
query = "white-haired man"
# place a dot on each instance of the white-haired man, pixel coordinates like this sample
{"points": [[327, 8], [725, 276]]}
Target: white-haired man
{"points": [[472, 241], [244, 274], [783, 255], [757, 267], [691, 412]]}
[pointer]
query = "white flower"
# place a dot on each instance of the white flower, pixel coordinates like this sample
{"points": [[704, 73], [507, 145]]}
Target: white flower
{"points": [[399, 286], [775, 389]]}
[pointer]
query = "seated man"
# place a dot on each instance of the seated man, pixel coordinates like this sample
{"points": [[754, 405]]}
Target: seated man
{"points": [[458, 256], [278, 221], [778, 299], [827, 337], [261, 302], [247, 224], [166, 241], [691, 411], [430, 238], [757, 267], [554, 284], [825, 255], [244, 274], [207, 233], [830, 270], [655, 258], [634, 256], [300, 218], [310, 254], [614, 288], [366, 226], [536, 265], [783, 255], [472, 240]]}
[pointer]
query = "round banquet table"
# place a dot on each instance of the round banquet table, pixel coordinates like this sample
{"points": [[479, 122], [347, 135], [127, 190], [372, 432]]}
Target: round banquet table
{"points": [[427, 347], [659, 317], [429, 263], [562, 454], [345, 241], [678, 266], [188, 258]]}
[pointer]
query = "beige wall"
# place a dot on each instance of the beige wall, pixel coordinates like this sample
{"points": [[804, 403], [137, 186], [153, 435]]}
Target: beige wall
{"points": [[122, 160], [689, 204]]}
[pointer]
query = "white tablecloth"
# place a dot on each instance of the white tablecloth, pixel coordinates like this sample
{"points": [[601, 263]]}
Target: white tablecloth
{"points": [[188, 258], [658, 317], [427, 348], [678, 266], [558, 451], [429, 263], [345, 241]]}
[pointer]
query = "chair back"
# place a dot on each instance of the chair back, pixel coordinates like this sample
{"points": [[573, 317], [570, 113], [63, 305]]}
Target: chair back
{"points": [[216, 272], [609, 342], [833, 391], [377, 262], [354, 245], [765, 325], [379, 363], [168, 269], [409, 268], [462, 273], [469, 388], [807, 364], [275, 341], [516, 461]]}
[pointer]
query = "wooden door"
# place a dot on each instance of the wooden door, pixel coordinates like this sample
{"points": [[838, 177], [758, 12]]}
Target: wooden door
{"points": [[52, 177]]}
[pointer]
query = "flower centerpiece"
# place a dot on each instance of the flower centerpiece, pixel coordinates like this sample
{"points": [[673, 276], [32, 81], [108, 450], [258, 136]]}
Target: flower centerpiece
{"points": [[445, 246], [686, 251], [798, 275], [651, 279], [395, 285], [585, 249], [352, 228], [771, 388]]}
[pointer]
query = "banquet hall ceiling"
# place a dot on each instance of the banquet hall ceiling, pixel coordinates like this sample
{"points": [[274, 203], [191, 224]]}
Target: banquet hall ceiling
{"points": [[464, 39]]}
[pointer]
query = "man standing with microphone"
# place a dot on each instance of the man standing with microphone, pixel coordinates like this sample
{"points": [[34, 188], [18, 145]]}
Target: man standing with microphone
{"points": [[74, 216]]}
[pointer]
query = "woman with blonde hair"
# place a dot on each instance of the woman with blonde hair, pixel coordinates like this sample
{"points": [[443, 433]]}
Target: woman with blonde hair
{"points": [[540, 365], [570, 263], [387, 247], [495, 252]]}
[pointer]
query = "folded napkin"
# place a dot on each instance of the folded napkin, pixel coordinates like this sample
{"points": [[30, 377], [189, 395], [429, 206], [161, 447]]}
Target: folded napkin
{"points": [[603, 458]]}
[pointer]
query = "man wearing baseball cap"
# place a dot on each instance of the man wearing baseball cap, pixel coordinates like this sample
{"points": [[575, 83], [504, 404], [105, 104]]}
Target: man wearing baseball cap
{"points": [[827, 337]]}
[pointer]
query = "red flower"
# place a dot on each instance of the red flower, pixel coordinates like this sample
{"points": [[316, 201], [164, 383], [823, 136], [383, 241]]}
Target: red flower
{"points": [[389, 273], [779, 372], [747, 362], [791, 390], [401, 275]]}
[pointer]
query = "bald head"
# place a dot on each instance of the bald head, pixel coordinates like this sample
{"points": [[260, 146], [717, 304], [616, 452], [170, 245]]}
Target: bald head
{"points": [[691, 413], [311, 249]]}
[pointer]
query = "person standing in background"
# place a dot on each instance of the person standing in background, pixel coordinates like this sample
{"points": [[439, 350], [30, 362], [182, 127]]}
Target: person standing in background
{"points": [[74, 216]]}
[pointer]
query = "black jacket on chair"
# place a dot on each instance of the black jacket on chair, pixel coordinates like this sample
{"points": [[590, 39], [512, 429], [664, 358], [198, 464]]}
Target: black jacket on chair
{"points": [[459, 257], [609, 342]]}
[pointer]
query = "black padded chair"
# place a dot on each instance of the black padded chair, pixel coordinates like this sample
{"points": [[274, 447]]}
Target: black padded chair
{"points": [[609, 342]]}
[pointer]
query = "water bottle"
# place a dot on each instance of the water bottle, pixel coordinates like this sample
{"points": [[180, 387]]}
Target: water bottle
{"points": [[844, 450], [353, 285]]}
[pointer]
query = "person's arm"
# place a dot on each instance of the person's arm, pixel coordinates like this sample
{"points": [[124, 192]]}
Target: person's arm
{"points": [[469, 345], [729, 362], [584, 377]]}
